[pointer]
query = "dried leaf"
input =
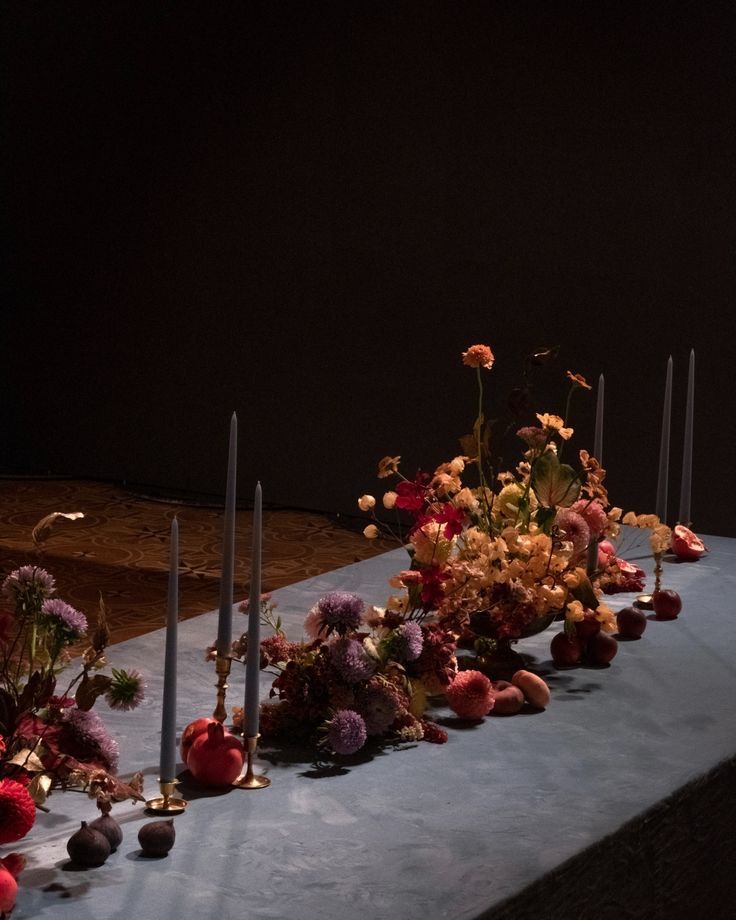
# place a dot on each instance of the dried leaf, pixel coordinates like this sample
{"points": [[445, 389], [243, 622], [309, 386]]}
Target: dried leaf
{"points": [[555, 484], [89, 689], [29, 760], [42, 530], [101, 635], [39, 787]]}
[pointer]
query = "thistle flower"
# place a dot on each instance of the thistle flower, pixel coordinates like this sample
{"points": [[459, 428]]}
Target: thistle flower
{"points": [[410, 640], [340, 611], [350, 659], [86, 739], [126, 691], [346, 732], [61, 614]]}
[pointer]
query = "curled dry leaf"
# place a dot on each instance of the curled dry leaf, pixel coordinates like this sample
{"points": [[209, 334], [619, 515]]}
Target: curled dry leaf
{"points": [[39, 787], [42, 530]]}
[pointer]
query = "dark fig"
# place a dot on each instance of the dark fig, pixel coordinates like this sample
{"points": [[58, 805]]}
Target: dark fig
{"points": [[157, 837], [109, 827], [87, 847]]}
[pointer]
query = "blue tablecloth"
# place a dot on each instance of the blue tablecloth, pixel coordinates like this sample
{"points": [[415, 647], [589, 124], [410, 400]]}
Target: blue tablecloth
{"points": [[500, 820]]}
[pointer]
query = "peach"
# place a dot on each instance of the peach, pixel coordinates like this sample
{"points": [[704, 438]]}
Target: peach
{"points": [[533, 688], [508, 699]]}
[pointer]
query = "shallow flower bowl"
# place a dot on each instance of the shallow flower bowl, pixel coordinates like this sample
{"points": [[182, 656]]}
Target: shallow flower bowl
{"points": [[503, 661]]}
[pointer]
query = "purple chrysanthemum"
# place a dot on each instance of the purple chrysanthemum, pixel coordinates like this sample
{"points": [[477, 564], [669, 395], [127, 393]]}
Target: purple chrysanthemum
{"points": [[87, 740], [410, 640], [573, 528], [127, 690], [350, 659], [58, 610], [346, 732], [340, 611], [28, 586]]}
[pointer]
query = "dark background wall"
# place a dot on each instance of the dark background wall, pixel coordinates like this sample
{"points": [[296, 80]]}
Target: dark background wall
{"points": [[306, 211]]}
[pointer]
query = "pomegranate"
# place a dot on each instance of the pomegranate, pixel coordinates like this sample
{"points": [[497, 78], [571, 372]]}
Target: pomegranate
{"points": [[686, 544], [667, 604], [216, 757], [8, 891], [631, 622], [601, 649], [566, 652], [192, 731]]}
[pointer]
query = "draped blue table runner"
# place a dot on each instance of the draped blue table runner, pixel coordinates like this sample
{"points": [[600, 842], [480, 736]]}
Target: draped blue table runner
{"points": [[503, 818]]}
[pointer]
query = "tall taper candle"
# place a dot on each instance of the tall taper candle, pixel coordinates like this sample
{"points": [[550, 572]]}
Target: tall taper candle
{"points": [[664, 448], [225, 620], [598, 454], [253, 662], [687, 451], [167, 765], [598, 437]]}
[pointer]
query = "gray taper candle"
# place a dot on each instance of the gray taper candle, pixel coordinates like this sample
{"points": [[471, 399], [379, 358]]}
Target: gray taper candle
{"points": [[225, 619], [167, 765], [664, 448], [253, 661], [592, 564], [687, 451]]}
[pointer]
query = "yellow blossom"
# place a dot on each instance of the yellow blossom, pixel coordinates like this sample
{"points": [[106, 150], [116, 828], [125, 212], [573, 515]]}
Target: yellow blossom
{"points": [[575, 611], [430, 546], [366, 502], [606, 617], [370, 532], [575, 577]]}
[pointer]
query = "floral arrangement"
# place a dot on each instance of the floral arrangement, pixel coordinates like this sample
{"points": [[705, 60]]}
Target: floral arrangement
{"points": [[50, 737], [360, 673], [502, 558], [490, 563]]}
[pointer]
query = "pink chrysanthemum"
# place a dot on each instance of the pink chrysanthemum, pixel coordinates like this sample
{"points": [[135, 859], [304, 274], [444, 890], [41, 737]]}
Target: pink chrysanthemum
{"points": [[573, 528], [346, 732], [593, 514], [17, 811], [470, 695]]}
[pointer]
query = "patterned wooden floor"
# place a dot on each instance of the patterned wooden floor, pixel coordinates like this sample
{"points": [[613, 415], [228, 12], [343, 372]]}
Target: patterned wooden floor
{"points": [[120, 548]]}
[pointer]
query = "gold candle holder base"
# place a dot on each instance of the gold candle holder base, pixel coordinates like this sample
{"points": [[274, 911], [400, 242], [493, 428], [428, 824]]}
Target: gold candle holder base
{"points": [[222, 667], [167, 803], [251, 780]]}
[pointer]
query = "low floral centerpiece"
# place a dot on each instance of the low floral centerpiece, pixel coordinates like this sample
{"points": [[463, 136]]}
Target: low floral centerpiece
{"points": [[49, 735]]}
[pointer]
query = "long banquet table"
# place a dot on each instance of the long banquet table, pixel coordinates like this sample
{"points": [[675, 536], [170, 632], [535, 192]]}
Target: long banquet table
{"points": [[614, 802]]}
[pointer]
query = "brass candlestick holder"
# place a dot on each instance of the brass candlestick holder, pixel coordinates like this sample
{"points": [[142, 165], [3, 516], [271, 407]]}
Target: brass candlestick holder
{"points": [[222, 667], [647, 600], [167, 803], [251, 780]]}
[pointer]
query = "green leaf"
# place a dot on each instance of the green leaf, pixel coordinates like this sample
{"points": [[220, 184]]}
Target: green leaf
{"points": [[545, 518], [555, 484]]}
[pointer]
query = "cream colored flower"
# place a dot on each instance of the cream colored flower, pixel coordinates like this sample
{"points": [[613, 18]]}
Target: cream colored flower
{"points": [[554, 423], [366, 502], [370, 532], [575, 611], [430, 546], [389, 500], [466, 500]]}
